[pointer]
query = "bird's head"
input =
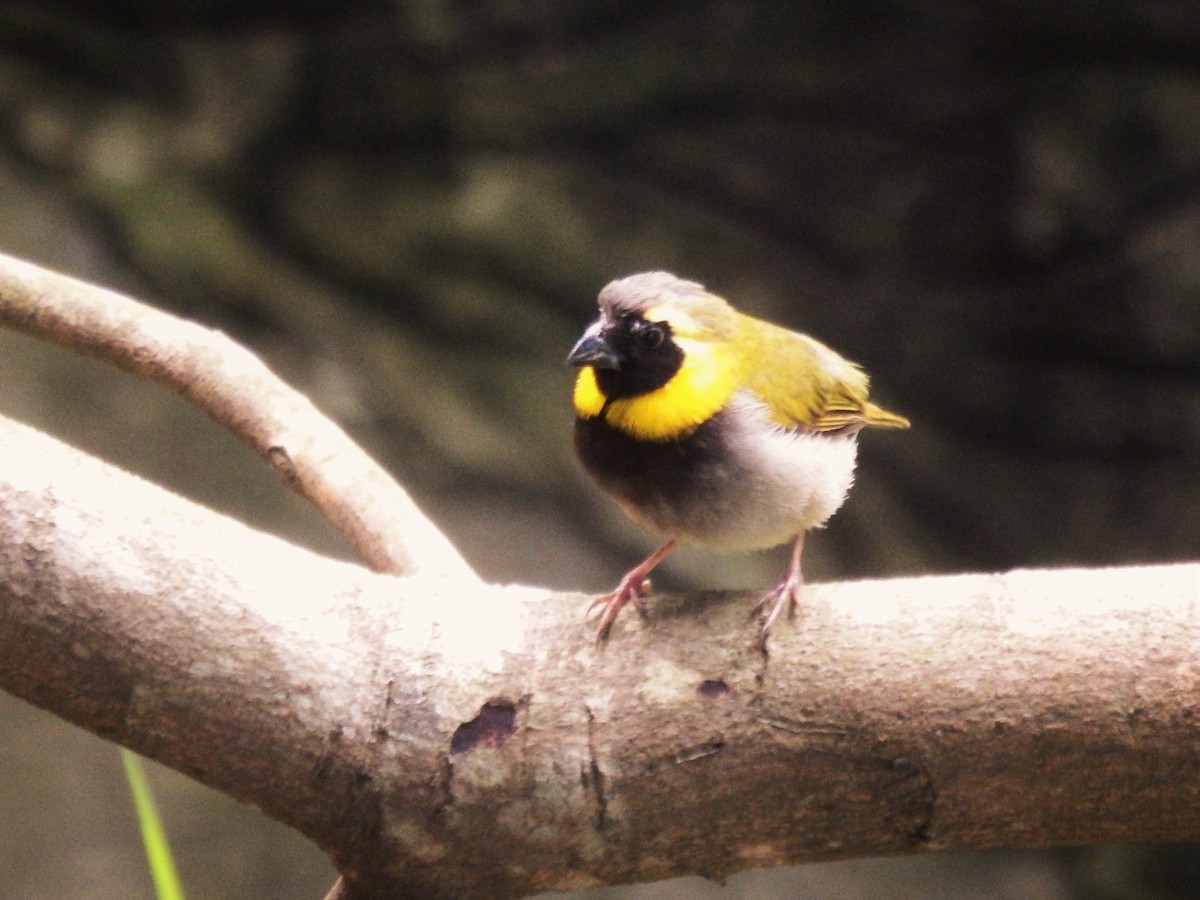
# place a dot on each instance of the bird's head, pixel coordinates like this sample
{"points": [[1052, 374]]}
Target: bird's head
{"points": [[660, 358]]}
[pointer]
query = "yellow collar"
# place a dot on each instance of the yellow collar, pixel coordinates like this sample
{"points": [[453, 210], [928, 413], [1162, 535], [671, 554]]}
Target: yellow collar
{"points": [[698, 391]]}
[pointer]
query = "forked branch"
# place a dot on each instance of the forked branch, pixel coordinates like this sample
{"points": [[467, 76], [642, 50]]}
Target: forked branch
{"points": [[311, 453], [439, 737]]}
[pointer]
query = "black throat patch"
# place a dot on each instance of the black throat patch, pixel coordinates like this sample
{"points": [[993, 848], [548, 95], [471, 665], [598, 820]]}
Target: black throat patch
{"points": [[649, 358], [662, 476]]}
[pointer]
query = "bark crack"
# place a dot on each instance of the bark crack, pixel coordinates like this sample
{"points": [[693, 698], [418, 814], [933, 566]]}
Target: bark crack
{"points": [[592, 777], [445, 785], [760, 663]]}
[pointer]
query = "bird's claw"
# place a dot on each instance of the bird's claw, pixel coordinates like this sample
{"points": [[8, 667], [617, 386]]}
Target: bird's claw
{"points": [[785, 594], [630, 590]]}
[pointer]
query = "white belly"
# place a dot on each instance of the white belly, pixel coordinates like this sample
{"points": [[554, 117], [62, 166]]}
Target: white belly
{"points": [[778, 484]]}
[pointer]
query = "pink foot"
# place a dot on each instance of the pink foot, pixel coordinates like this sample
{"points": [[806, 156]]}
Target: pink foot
{"points": [[628, 591], [631, 590], [786, 593]]}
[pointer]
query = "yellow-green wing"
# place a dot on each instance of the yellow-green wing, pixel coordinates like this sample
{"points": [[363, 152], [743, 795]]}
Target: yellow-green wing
{"points": [[807, 385]]}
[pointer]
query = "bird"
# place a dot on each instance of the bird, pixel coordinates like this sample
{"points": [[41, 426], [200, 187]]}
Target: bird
{"points": [[712, 427]]}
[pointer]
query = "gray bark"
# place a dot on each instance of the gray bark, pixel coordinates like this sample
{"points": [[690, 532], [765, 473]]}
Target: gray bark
{"points": [[443, 738]]}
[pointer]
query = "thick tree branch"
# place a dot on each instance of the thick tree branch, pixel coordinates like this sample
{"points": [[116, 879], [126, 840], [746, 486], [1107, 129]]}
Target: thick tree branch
{"points": [[231, 384], [443, 738]]}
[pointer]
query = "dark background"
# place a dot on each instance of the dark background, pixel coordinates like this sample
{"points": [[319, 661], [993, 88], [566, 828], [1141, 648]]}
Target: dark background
{"points": [[409, 207]]}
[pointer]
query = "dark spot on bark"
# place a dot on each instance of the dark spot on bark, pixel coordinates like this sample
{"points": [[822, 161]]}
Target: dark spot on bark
{"points": [[712, 688], [495, 724], [281, 460], [324, 768], [911, 798]]}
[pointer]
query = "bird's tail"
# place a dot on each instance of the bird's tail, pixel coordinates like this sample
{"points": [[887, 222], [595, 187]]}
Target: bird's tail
{"points": [[880, 417]]}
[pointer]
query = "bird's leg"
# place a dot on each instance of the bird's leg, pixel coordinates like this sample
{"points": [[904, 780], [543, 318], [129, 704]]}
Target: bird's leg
{"points": [[631, 588], [787, 592]]}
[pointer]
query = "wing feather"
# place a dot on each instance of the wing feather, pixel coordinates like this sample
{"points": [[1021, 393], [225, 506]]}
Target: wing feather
{"points": [[807, 385]]}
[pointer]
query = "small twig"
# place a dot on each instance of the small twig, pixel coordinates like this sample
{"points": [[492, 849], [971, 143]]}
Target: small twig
{"points": [[233, 386]]}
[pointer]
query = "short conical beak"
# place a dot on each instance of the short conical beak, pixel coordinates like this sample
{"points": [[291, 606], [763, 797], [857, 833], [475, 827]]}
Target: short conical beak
{"points": [[593, 349]]}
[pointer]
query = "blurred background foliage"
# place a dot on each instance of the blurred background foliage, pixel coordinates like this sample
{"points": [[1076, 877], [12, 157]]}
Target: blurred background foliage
{"points": [[407, 208]]}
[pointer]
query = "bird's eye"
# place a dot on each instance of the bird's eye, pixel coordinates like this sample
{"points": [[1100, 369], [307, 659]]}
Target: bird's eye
{"points": [[650, 335]]}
